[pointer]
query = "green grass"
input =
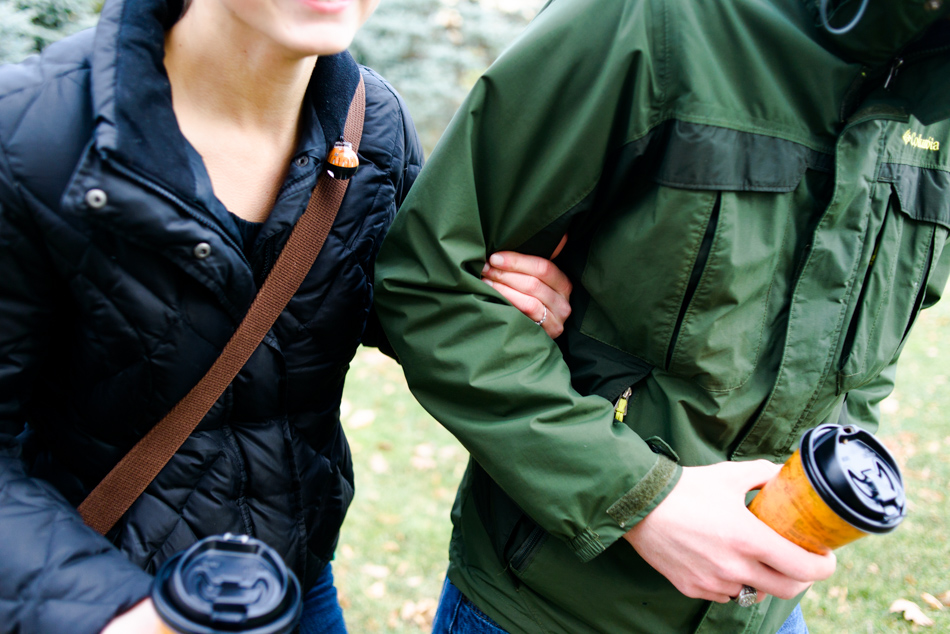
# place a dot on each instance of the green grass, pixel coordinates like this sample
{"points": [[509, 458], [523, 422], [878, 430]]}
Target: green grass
{"points": [[875, 571], [392, 554]]}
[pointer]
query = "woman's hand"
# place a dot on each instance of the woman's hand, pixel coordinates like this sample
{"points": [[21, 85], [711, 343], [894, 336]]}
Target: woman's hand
{"points": [[142, 619], [533, 285]]}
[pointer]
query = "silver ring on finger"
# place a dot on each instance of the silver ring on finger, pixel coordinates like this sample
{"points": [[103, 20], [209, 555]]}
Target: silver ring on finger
{"points": [[544, 316], [746, 597]]}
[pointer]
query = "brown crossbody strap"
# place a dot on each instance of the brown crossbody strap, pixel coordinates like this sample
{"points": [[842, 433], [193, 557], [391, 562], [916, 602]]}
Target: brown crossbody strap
{"points": [[113, 496]]}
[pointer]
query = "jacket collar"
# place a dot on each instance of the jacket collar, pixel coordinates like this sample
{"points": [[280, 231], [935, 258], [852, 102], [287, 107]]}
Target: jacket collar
{"points": [[887, 28], [131, 94]]}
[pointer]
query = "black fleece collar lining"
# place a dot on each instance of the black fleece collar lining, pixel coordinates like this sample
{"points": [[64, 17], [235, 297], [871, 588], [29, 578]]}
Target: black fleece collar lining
{"points": [[132, 95], [887, 28]]}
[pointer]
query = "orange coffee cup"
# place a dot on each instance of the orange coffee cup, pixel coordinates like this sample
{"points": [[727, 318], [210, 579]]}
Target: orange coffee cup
{"points": [[840, 485]]}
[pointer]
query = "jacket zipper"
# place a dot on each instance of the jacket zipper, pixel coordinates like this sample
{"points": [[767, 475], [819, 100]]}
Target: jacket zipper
{"points": [[921, 290], [620, 409], [695, 275], [892, 73], [855, 318], [522, 556], [178, 202], [888, 71]]}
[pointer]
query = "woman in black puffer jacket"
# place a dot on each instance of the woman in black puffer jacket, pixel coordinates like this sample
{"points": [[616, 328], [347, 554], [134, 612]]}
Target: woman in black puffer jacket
{"points": [[128, 255]]}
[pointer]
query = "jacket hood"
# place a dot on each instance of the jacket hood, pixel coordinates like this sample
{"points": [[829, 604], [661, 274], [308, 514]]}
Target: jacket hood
{"points": [[887, 27]]}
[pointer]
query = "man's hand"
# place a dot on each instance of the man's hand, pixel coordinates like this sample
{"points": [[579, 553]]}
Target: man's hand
{"points": [[708, 544], [142, 619], [533, 285]]}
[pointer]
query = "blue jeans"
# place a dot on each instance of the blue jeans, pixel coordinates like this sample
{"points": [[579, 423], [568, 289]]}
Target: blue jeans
{"points": [[458, 615], [321, 609], [794, 624]]}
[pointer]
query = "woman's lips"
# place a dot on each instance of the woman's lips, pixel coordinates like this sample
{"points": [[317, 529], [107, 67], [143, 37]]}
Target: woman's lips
{"points": [[328, 6]]}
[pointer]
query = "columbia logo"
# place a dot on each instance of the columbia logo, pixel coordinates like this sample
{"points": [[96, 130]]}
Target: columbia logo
{"points": [[912, 138]]}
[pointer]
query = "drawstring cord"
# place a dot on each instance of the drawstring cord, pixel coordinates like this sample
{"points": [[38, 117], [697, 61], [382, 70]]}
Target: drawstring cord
{"points": [[823, 9]]}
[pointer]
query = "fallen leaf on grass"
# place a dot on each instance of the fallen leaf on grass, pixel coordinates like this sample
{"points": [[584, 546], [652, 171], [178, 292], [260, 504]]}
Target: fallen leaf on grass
{"points": [[944, 598], [361, 418], [422, 457], [375, 571], [421, 613], [378, 464], [911, 612], [890, 405], [932, 601], [929, 495], [376, 590]]}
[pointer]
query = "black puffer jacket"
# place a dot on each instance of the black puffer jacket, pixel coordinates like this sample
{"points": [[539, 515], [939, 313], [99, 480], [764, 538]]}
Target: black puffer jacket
{"points": [[109, 314]]}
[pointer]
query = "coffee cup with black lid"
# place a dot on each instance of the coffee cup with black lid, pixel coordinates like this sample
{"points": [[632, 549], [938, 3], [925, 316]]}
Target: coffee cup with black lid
{"points": [[841, 484], [227, 583]]}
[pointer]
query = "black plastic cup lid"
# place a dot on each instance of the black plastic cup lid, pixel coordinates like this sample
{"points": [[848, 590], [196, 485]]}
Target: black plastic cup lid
{"points": [[855, 475], [229, 583]]}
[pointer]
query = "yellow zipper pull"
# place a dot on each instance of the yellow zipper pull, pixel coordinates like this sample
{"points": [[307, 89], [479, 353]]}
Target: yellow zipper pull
{"points": [[620, 411]]}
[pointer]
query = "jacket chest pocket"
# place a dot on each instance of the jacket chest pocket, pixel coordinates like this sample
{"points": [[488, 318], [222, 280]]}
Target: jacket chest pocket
{"points": [[903, 245]]}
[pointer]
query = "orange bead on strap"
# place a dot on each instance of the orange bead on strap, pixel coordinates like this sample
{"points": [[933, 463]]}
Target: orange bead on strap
{"points": [[342, 162]]}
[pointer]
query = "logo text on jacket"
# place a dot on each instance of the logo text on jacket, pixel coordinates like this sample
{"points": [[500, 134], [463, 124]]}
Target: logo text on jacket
{"points": [[916, 140]]}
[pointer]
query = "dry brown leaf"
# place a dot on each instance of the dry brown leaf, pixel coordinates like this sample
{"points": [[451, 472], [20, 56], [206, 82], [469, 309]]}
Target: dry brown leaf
{"points": [[911, 612], [375, 571], [930, 496], [389, 519], [378, 464], [393, 621], [421, 613], [361, 418], [944, 598], [890, 405], [376, 590], [932, 601], [423, 463]]}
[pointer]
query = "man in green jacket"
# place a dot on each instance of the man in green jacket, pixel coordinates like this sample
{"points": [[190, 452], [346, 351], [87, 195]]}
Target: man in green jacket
{"points": [[757, 212]]}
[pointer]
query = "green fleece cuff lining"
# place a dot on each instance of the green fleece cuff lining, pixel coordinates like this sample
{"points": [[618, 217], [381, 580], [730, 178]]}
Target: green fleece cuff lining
{"points": [[587, 545], [637, 498]]}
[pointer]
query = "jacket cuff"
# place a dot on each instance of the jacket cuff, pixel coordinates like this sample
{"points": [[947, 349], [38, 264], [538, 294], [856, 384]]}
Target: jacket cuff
{"points": [[636, 500], [632, 507]]}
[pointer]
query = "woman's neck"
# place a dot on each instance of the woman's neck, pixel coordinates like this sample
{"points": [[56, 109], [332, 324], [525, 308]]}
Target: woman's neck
{"points": [[237, 97], [222, 69]]}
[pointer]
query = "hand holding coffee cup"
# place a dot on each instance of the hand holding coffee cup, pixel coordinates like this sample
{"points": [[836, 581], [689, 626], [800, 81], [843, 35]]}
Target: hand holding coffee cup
{"points": [[841, 484]]}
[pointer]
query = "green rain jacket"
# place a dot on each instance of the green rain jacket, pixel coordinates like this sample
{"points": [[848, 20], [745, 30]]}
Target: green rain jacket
{"points": [[757, 212]]}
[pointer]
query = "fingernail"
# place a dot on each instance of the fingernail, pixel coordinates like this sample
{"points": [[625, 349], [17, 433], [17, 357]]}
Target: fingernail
{"points": [[489, 282], [496, 260], [486, 268]]}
